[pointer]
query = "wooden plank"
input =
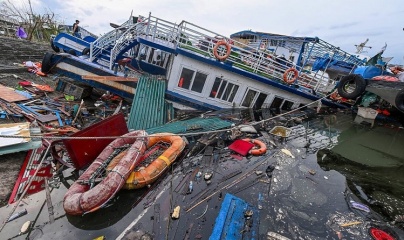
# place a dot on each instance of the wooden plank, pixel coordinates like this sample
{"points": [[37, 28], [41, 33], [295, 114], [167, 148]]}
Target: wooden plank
{"points": [[9, 95], [110, 78]]}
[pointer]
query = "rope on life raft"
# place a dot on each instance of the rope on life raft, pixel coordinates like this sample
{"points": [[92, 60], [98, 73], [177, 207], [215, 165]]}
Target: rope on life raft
{"points": [[97, 175]]}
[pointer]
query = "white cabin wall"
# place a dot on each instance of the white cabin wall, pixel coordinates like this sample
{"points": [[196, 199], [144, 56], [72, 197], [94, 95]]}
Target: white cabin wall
{"points": [[212, 71]]}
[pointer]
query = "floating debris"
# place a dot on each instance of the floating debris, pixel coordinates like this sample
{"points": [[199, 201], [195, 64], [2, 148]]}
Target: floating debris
{"points": [[17, 215], [350, 224], [359, 206], [207, 176], [25, 227], [287, 152], [99, 238], [276, 236], [176, 213], [247, 129], [190, 187], [280, 131]]}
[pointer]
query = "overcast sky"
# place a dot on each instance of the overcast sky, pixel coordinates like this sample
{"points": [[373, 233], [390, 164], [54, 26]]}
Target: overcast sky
{"points": [[342, 23]]}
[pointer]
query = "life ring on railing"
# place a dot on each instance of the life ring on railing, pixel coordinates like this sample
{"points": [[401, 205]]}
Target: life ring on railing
{"points": [[287, 78], [259, 147], [216, 53]]}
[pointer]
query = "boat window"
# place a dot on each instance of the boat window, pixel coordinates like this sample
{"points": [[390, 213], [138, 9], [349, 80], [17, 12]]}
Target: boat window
{"points": [[287, 105], [199, 82], [249, 98], [185, 78], [292, 58], [151, 55], [143, 52], [192, 80], [230, 91], [233, 93], [224, 90], [277, 43], [221, 88], [215, 88], [277, 102], [260, 100], [302, 106]]}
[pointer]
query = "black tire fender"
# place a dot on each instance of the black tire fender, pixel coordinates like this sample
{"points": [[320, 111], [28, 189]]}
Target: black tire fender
{"points": [[72, 52], [56, 49], [47, 62], [351, 86], [86, 51], [399, 101]]}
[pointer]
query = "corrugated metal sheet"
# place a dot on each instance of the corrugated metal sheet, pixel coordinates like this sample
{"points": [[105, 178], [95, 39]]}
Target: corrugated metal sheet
{"points": [[148, 107], [191, 125]]}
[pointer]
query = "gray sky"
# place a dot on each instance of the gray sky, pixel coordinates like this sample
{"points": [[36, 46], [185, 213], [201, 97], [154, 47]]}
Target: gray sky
{"points": [[342, 23]]}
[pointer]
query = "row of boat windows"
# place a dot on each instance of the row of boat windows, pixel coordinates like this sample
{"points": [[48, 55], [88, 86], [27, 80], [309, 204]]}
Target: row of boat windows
{"points": [[226, 91], [222, 89], [151, 55]]}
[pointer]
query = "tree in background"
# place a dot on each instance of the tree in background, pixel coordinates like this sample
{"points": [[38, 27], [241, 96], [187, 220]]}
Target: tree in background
{"points": [[38, 26]]}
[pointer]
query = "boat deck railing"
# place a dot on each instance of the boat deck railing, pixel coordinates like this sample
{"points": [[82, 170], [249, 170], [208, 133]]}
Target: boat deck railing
{"points": [[197, 40], [108, 40], [158, 31]]}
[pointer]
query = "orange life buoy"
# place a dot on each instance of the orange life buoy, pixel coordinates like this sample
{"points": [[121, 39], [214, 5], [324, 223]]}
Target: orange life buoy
{"points": [[262, 148], [216, 53], [287, 78]]}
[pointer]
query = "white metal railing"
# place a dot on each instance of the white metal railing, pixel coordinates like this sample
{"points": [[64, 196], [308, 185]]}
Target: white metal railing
{"points": [[198, 40], [108, 40]]}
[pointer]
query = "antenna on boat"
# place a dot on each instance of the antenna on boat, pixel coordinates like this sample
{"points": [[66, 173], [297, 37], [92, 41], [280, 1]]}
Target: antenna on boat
{"points": [[359, 48]]}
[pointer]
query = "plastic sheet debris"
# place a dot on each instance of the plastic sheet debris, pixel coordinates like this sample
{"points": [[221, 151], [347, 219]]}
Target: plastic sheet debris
{"points": [[359, 206], [17, 215]]}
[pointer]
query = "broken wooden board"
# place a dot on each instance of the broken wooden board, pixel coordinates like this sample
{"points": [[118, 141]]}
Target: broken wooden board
{"points": [[9, 95]]}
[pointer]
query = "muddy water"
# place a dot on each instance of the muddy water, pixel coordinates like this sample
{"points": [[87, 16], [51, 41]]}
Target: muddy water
{"points": [[370, 158]]}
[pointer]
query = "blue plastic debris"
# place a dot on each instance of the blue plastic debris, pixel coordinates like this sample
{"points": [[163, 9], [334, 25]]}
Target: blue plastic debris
{"points": [[236, 220]]}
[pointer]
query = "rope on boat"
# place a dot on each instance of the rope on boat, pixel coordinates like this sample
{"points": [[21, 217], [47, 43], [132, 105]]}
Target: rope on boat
{"points": [[39, 136]]}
